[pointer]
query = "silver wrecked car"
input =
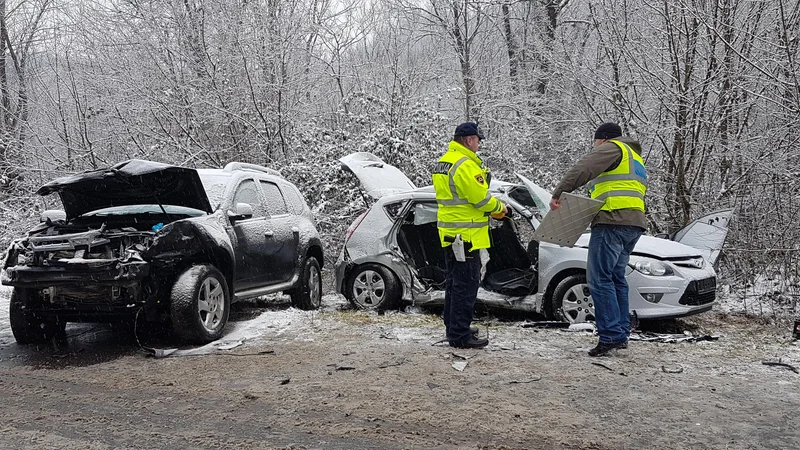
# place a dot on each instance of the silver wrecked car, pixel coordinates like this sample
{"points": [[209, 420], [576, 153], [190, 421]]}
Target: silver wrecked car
{"points": [[392, 254]]}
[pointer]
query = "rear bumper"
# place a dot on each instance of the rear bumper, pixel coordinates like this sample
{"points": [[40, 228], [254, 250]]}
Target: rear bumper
{"points": [[341, 269]]}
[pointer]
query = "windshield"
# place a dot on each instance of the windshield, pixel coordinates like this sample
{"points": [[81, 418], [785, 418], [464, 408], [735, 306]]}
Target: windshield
{"points": [[533, 199], [130, 210], [215, 185]]}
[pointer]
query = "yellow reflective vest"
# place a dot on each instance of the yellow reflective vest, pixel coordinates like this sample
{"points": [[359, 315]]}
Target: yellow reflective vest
{"points": [[462, 192], [623, 187]]}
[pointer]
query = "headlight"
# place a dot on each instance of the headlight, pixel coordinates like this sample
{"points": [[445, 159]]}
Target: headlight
{"points": [[652, 267]]}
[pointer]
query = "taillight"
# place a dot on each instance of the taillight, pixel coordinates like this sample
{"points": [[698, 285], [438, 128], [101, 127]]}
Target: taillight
{"points": [[352, 228]]}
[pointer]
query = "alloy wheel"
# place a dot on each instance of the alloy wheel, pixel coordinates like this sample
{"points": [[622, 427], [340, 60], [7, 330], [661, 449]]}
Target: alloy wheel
{"points": [[369, 288], [211, 303], [315, 286]]}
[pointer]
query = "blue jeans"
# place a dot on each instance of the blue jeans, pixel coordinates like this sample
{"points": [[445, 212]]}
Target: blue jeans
{"points": [[610, 248], [461, 290]]}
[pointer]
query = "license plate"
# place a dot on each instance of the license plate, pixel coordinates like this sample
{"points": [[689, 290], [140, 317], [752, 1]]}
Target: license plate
{"points": [[706, 285]]}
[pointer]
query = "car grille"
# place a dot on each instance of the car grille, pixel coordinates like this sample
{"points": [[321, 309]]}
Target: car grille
{"points": [[700, 292]]}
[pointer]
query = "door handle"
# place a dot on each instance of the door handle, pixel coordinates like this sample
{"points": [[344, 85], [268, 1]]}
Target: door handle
{"points": [[269, 233]]}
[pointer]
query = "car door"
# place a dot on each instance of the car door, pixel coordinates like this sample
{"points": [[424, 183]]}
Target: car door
{"points": [[250, 235], [283, 234], [706, 234]]}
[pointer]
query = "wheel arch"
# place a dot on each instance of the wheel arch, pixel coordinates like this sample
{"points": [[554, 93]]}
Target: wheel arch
{"points": [[315, 250], [551, 287], [354, 270], [186, 243], [385, 261]]}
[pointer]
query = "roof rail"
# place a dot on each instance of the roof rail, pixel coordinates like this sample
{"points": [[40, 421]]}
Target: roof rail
{"points": [[230, 167]]}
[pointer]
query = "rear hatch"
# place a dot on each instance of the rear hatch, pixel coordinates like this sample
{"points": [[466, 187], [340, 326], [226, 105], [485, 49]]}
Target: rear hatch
{"points": [[377, 178]]}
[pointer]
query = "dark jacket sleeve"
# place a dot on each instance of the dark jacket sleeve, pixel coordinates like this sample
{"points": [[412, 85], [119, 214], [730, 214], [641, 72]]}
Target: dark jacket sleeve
{"points": [[605, 157]]}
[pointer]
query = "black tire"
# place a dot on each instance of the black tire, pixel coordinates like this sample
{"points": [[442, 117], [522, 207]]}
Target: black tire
{"points": [[572, 301], [199, 305], [308, 295], [28, 327], [373, 287]]}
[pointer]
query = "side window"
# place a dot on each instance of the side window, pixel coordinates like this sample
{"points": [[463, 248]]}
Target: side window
{"points": [[276, 205], [294, 198], [247, 192]]}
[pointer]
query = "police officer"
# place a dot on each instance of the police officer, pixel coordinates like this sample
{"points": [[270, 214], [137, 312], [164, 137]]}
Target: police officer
{"points": [[618, 177], [462, 192]]}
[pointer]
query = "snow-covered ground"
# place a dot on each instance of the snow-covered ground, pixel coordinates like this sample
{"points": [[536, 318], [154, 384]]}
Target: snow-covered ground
{"points": [[271, 322]]}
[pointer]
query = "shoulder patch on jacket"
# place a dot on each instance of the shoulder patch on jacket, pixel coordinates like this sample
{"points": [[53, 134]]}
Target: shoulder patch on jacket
{"points": [[479, 179]]}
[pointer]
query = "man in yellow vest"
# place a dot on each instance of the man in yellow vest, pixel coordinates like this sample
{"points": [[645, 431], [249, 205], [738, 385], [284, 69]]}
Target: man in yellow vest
{"points": [[616, 173], [462, 193]]}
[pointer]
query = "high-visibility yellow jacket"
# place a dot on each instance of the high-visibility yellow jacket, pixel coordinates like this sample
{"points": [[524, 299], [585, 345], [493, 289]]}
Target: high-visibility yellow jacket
{"points": [[623, 187], [462, 192]]}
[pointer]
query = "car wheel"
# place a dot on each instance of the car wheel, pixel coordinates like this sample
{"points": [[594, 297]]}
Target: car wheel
{"points": [[572, 301], [200, 304], [309, 294], [30, 328], [373, 287]]}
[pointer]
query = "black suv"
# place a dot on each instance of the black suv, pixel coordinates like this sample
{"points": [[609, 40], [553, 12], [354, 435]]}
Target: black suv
{"points": [[150, 240]]}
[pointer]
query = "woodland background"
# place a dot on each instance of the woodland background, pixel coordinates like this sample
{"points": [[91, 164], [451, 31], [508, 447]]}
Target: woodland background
{"points": [[710, 88]]}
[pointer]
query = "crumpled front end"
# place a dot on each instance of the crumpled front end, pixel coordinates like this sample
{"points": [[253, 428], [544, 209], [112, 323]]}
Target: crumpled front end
{"points": [[94, 267]]}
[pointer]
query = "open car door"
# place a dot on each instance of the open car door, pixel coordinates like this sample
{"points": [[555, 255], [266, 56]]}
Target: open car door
{"points": [[377, 178], [706, 233]]}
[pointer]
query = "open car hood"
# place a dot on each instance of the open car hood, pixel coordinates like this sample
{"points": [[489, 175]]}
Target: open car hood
{"points": [[653, 246], [704, 237], [706, 233], [132, 182], [377, 178]]}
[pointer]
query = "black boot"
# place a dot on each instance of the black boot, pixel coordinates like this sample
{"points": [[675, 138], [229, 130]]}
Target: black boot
{"points": [[472, 342], [603, 348]]}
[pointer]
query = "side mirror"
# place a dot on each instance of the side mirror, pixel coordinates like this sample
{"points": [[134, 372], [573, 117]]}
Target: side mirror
{"points": [[241, 211], [662, 236], [52, 215]]}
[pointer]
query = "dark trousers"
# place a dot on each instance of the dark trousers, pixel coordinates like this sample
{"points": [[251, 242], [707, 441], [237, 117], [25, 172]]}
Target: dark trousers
{"points": [[461, 290]]}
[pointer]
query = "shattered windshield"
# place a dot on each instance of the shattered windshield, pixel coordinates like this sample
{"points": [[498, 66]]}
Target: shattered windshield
{"points": [[534, 203]]}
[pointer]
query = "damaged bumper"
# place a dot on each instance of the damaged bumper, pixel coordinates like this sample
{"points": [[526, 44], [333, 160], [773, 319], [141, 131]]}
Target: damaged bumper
{"points": [[83, 271]]}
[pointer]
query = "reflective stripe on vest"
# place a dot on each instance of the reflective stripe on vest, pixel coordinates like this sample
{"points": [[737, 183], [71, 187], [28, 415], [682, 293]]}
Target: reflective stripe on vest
{"points": [[622, 190], [456, 200], [441, 224]]}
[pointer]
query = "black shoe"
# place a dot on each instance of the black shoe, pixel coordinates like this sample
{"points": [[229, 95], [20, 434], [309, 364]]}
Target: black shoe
{"points": [[603, 348], [473, 342], [623, 344]]}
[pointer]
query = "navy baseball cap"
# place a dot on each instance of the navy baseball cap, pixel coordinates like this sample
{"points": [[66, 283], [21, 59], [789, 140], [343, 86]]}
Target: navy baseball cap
{"points": [[608, 130], [468, 129]]}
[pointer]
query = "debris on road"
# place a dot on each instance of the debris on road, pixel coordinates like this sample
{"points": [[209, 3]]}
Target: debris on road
{"points": [[781, 364], [672, 338], [583, 326], [525, 381], [545, 324]]}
